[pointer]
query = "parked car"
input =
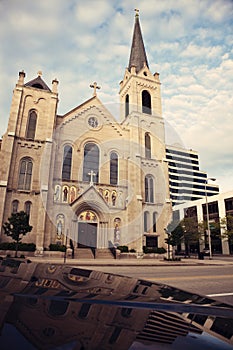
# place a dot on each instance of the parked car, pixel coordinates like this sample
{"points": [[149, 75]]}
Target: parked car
{"points": [[57, 306]]}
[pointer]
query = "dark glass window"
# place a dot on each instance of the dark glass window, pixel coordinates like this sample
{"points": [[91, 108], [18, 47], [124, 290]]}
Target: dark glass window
{"points": [[186, 160], [31, 128], [152, 242], [146, 102], [91, 162], [229, 204], [113, 168], [126, 105], [27, 208], [212, 208], [181, 153], [149, 189], [146, 221], [147, 146], [25, 174], [67, 162], [15, 205], [185, 165], [154, 222]]}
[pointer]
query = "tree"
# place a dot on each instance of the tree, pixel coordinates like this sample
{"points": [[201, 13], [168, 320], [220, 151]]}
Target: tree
{"points": [[227, 224], [188, 231], [193, 231], [16, 227], [174, 238]]}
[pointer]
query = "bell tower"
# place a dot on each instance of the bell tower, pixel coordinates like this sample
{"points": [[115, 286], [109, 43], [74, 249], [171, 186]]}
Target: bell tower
{"points": [[24, 174], [139, 89]]}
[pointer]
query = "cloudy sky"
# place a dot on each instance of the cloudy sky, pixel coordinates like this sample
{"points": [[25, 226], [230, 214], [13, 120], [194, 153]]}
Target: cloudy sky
{"points": [[189, 42]]}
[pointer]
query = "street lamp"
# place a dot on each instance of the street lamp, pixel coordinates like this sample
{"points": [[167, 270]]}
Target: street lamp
{"points": [[168, 242], [207, 216]]}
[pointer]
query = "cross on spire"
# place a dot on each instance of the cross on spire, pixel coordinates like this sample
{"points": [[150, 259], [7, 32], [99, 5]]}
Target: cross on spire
{"points": [[92, 174], [94, 86], [136, 12]]}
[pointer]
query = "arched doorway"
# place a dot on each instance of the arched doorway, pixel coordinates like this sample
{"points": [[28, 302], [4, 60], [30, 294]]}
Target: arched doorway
{"points": [[87, 229]]}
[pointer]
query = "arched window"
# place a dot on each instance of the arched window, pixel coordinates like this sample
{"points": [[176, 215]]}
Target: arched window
{"points": [[31, 127], [113, 168], [149, 189], [146, 221], [91, 163], [27, 208], [67, 163], [147, 146], [146, 102], [25, 174], [126, 105], [15, 205], [154, 221]]}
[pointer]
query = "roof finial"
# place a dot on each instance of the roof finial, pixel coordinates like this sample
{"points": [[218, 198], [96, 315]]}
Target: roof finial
{"points": [[94, 86], [136, 12], [39, 73]]}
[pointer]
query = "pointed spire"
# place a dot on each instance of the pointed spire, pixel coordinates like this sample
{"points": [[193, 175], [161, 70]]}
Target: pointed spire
{"points": [[138, 53]]}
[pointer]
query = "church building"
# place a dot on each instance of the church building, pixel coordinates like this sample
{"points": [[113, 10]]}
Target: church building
{"points": [[87, 179]]}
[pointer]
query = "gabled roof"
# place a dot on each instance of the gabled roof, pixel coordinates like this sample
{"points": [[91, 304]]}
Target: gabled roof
{"points": [[38, 83], [91, 198], [138, 53]]}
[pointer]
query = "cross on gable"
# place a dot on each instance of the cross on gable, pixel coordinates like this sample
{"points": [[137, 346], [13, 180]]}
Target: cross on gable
{"points": [[92, 174], [94, 86]]}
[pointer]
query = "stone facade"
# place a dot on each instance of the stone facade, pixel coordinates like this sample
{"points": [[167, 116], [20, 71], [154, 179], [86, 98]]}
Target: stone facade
{"points": [[87, 179]]}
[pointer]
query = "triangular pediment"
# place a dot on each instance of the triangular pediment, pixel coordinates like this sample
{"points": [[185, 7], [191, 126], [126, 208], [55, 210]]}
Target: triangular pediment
{"points": [[91, 198], [89, 109]]}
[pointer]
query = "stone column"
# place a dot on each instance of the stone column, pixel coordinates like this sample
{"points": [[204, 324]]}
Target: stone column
{"points": [[102, 238]]}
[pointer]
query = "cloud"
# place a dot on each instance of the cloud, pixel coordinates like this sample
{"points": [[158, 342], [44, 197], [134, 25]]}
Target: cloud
{"points": [[93, 13]]}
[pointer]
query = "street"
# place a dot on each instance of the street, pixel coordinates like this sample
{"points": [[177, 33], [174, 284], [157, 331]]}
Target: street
{"points": [[215, 281]]}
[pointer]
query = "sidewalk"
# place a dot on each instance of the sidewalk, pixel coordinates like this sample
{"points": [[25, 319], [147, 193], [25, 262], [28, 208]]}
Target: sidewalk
{"points": [[134, 262]]}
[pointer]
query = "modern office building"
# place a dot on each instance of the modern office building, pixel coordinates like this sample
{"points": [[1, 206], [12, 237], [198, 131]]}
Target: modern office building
{"points": [[220, 217], [186, 181]]}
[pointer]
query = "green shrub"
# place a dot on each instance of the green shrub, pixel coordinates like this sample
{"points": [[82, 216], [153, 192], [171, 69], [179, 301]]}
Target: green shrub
{"points": [[172, 259], [132, 250], [28, 247], [57, 247], [123, 248], [148, 250]]}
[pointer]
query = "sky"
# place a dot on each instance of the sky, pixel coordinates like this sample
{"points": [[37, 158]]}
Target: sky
{"points": [[189, 42]]}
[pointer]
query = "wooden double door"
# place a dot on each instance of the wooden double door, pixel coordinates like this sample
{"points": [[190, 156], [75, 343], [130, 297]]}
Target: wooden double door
{"points": [[87, 235]]}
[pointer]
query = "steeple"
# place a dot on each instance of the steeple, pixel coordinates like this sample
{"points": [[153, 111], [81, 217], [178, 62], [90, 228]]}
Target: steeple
{"points": [[139, 89], [138, 57]]}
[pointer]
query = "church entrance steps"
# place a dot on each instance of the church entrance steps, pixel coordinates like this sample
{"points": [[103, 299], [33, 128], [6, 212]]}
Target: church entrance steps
{"points": [[104, 254], [83, 253]]}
